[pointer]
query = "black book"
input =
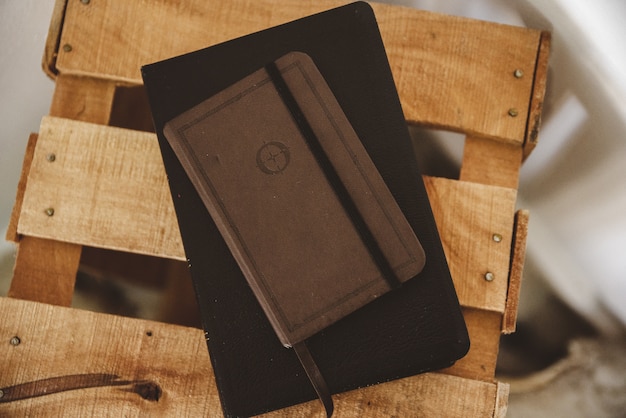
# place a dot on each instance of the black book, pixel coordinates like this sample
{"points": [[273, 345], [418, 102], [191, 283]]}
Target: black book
{"points": [[413, 329]]}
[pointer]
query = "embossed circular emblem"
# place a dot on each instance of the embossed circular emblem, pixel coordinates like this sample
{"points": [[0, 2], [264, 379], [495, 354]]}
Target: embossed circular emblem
{"points": [[273, 157]]}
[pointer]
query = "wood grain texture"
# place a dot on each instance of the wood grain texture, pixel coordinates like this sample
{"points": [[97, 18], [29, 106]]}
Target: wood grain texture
{"points": [[63, 342], [484, 332], [104, 365], [469, 216], [518, 257], [45, 271], [491, 162], [452, 73], [11, 234], [538, 94], [48, 61], [83, 98], [107, 187]]}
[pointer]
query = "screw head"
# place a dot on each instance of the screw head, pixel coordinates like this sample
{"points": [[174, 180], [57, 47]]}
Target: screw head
{"points": [[489, 276], [67, 48], [84, 1], [51, 157], [518, 73], [49, 211], [497, 237], [15, 341], [513, 112]]}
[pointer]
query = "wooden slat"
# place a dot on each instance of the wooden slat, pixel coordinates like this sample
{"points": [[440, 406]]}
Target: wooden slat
{"points": [[11, 234], [538, 93], [45, 271], [83, 98], [48, 61], [57, 342], [484, 332], [108, 189], [452, 73], [518, 251], [476, 224], [487, 161]]}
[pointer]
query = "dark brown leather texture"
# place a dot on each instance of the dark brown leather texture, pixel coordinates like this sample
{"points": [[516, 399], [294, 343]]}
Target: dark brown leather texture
{"points": [[412, 329], [275, 208]]}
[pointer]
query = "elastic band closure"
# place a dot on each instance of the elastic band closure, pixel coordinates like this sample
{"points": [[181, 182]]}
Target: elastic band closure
{"points": [[333, 178]]}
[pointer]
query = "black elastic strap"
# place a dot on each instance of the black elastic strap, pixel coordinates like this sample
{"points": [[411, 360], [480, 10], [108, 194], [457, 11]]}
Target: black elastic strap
{"points": [[333, 178]]}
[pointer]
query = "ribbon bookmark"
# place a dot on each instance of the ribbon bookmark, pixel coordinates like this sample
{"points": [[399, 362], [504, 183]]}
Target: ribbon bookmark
{"points": [[315, 376]]}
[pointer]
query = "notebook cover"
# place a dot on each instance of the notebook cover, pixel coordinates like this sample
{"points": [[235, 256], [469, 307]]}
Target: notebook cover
{"points": [[405, 332], [285, 224]]}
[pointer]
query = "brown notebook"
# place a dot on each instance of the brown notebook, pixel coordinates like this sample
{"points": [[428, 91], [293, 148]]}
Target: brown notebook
{"points": [[248, 152]]}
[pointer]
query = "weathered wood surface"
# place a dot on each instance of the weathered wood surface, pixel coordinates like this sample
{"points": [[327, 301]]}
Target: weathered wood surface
{"points": [[475, 223], [451, 73], [108, 189], [484, 332], [45, 271], [540, 80], [83, 98], [11, 233], [509, 319], [78, 363], [77, 98], [491, 162]]}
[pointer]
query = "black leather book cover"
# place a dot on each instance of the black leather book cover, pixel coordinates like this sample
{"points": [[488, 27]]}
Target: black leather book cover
{"points": [[416, 328]]}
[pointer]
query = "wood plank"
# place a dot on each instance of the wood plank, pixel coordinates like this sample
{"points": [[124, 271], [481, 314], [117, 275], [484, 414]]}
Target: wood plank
{"points": [[538, 94], [97, 202], [83, 98], [11, 234], [484, 328], [48, 61], [107, 187], [61, 342], [491, 162], [45, 271], [110, 359], [427, 395], [475, 224], [520, 233], [452, 73]]}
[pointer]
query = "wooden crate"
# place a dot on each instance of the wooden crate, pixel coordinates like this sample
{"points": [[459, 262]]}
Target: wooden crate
{"points": [[86, 184]]}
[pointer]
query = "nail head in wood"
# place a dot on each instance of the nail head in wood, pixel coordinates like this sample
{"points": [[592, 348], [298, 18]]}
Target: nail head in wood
{"points": [[518, 73], [489, 276], [49, 211], [15, 341], [513, 112]]}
